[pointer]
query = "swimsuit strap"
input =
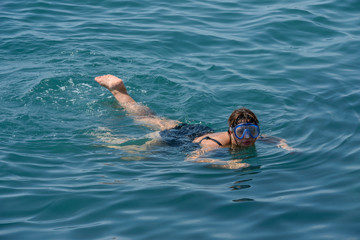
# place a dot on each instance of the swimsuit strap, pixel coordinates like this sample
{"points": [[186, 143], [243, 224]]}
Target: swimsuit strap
{"points": [[209, 138], [229, 137]]}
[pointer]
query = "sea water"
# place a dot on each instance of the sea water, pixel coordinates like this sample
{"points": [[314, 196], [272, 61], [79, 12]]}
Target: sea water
{"points": [[294, 63]]}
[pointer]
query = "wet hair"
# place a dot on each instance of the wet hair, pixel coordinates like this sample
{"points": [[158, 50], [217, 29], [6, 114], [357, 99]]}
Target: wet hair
{"points": [[240, 115]]}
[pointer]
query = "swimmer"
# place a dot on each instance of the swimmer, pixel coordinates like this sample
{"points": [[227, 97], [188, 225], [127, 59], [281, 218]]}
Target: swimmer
{"points": [[243, 128]]}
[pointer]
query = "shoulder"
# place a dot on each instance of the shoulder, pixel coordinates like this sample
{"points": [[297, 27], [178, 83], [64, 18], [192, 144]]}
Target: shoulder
{"points": [[213, 139]]}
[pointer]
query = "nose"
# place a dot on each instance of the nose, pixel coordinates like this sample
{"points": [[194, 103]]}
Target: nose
{"points": [[246, 134]]}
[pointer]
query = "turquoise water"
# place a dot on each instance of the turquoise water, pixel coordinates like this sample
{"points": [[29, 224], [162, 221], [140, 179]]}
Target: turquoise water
{"points": [[295, 64]]}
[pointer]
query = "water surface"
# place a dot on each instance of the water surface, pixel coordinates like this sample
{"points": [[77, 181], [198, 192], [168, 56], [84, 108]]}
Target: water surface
{"points": [[294, 64]]}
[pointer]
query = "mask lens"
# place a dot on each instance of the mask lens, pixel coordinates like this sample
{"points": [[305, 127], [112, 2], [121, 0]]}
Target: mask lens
{"points": [[247, 128], [240, 132], [253, 131]]}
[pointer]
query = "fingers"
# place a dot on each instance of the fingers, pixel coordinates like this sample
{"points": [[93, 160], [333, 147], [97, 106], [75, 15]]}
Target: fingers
{"points": [[230, 165]]}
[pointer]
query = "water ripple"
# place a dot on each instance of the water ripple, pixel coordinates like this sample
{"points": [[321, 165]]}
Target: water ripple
{"points": [[294, 63]]}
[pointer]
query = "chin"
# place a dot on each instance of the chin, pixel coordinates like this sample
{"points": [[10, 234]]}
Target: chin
{"points": [[247, 144]]}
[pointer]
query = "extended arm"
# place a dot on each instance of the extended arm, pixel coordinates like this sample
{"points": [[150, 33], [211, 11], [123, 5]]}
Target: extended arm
{"points": [[280, 143], [198, 156]]}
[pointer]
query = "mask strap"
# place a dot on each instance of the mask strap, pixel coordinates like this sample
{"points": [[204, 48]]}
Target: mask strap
{"points": [[230, 137]]}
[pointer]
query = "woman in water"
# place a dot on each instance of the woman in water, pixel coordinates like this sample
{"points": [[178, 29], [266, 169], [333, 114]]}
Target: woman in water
{"points": [[243, 128]]}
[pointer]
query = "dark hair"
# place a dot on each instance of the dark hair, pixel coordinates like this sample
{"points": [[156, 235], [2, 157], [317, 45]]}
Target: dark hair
{"points": [[242, 114]]}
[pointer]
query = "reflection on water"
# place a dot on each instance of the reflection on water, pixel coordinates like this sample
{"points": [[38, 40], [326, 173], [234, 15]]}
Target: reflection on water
{"points": [[245, 178], [244, 200], [238, 187]]}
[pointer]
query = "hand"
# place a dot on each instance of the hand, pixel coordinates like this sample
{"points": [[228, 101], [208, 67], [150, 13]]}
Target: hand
{"points": [[282, 144], [232, 164]]}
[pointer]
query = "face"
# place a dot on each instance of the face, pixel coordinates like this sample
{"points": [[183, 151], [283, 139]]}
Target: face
{"points": [[246, 141]]}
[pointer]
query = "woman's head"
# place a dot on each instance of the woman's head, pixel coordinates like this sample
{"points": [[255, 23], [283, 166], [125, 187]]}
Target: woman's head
{"points": [[248, 130], [242, 115]]}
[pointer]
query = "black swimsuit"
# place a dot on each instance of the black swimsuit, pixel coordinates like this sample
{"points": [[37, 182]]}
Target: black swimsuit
{"points": [[209, 138], [184, 135]]}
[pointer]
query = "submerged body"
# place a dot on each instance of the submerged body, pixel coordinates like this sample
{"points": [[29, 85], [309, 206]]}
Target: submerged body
{"points": [[184, 133], [243, 129]]}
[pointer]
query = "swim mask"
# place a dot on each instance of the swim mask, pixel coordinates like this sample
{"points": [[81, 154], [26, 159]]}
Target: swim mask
{"points": [[246, 128]]}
